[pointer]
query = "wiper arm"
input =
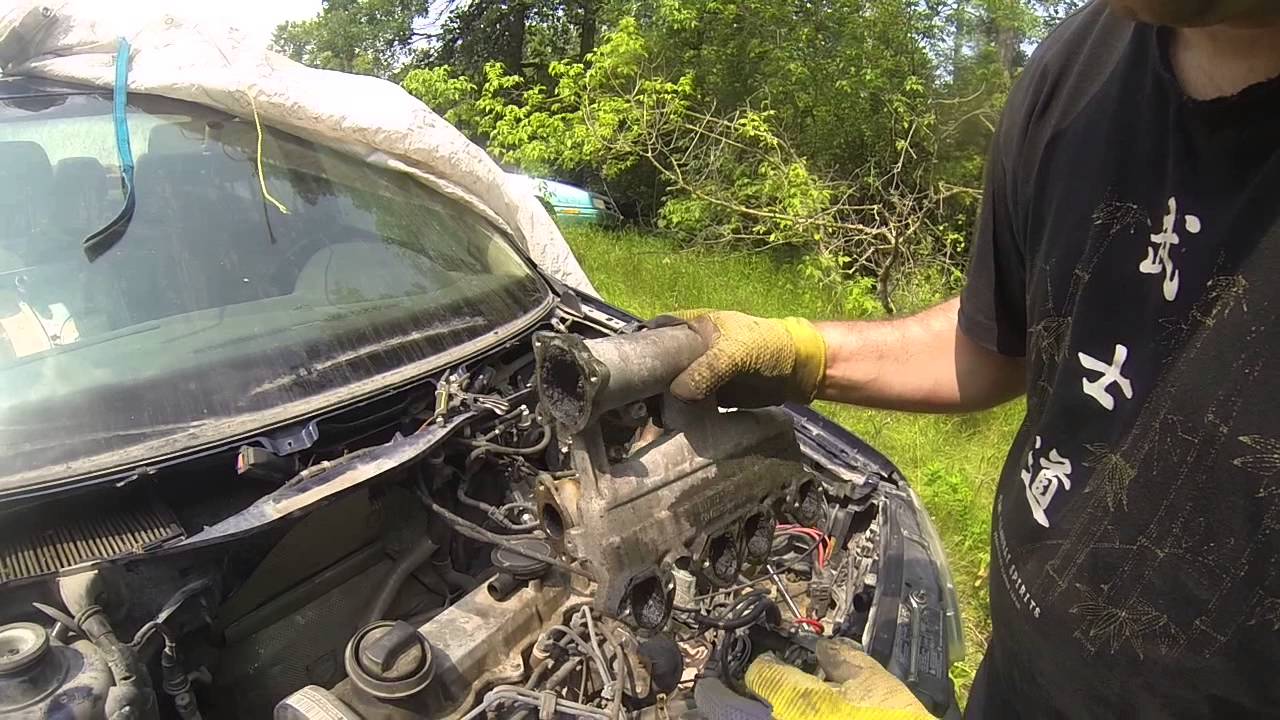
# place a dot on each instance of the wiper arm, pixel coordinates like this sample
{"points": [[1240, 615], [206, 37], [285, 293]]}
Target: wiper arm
{"points": [[103, 239]]}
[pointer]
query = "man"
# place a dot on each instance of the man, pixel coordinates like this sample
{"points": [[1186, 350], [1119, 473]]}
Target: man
{"points": [[1125, 278]]}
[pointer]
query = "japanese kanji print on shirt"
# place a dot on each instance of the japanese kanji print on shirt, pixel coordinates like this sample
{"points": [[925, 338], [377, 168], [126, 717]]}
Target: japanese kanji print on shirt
{"points": [[1099, 388], [1044, 477], [1129, 248], [1160, 259]]}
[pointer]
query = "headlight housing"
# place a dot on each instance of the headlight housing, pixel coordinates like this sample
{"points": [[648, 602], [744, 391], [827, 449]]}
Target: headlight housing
{"points": [[953, 624]]}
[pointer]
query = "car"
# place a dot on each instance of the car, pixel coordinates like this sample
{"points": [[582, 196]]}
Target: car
{"points": [[285, 433], [569, 203]]}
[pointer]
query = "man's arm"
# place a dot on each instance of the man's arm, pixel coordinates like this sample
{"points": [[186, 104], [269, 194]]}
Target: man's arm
{"points": [[921, 363]]}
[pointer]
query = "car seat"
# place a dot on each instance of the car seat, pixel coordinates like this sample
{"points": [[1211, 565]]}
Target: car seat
{"points": [[25, 181], [82, 203]]}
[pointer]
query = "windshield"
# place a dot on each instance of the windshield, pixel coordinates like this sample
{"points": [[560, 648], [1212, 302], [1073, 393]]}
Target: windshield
{"points": [[217, 313]]}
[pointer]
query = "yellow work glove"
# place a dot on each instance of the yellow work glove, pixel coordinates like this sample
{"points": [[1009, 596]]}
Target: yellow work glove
{"points": [[750, 361], [858, 688]]}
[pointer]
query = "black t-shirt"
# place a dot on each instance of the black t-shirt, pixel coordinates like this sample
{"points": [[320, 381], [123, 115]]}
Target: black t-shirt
{"points": [[1128, 248]]}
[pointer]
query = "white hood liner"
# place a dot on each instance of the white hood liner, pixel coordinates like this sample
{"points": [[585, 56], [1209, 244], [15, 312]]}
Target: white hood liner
{"points": [[219, 66]]}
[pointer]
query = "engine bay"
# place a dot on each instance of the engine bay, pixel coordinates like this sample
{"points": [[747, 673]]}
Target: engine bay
{"points": [[538, 533]]}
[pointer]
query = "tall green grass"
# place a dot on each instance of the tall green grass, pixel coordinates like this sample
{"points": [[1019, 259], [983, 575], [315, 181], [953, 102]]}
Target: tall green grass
{"points": [[951, 461]]}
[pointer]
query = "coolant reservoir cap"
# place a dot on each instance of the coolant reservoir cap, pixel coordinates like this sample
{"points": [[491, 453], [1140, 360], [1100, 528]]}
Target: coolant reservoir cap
{"points": [[510, 561], [21, 645], [389, 659]]}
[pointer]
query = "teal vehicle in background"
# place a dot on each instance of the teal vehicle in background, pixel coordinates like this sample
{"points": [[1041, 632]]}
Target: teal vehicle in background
{"points": [[570, 203]]}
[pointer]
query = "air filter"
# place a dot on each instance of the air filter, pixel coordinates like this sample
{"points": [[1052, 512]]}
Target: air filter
{"points": [[93, 534]]}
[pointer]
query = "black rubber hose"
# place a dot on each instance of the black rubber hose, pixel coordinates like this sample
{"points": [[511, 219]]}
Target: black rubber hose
{"points": [[131, 697], [411, 560], [432, 581], [661, 655], [743, 613], [458, 581]]}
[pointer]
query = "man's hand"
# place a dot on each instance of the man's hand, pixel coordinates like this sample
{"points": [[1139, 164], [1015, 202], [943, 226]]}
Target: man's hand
{"points": [[857, 688], [921, 363], [751, 361]]}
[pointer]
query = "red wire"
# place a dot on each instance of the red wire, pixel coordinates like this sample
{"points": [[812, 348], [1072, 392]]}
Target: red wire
{"points": [[813, 625], [813, 534], [825, 543]]}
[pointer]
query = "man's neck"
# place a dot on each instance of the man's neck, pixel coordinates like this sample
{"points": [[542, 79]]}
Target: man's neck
{"points": [[1222, 60]]}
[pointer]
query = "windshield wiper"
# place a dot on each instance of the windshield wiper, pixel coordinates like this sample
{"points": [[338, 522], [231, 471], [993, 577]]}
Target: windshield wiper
{"points": [[103, 239]]}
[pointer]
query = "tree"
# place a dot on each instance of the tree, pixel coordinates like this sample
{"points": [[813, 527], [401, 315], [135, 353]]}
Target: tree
{"points": [[390, 37], [588, 28], [369, 37], [484, 31]]}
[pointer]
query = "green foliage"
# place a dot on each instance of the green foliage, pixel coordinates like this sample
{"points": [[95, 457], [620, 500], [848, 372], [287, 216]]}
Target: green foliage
{"points": [[390, 37], [952, 462], [451, 95], [367, 37], [581, 121], [835, 73], [525, 36]]}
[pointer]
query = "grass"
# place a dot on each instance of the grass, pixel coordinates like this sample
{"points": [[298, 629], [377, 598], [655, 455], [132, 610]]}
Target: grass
{"points": [[951, 461]]}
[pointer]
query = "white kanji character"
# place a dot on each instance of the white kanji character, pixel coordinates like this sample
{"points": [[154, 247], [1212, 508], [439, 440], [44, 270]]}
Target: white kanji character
{"points": [[1111, 374], [1158, 257], [1042, 485]]}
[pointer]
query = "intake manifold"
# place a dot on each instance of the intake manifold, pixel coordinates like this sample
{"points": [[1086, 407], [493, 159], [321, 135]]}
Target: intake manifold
{"points": [[702, 490]]}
